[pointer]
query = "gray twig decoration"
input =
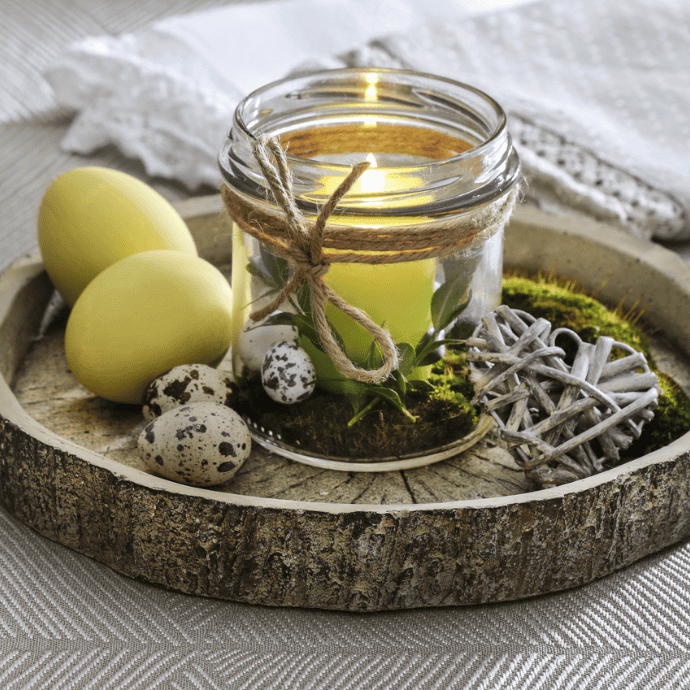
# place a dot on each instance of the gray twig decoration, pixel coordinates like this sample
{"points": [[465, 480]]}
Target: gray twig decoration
{"points": [[551, 413]]}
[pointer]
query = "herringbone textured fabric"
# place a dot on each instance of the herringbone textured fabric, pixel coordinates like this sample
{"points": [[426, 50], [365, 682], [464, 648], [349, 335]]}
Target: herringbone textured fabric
{"points": [[68, 622]]}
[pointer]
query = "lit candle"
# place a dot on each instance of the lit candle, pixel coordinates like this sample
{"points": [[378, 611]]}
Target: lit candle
{"points": [[396, 296], [444, 165]]}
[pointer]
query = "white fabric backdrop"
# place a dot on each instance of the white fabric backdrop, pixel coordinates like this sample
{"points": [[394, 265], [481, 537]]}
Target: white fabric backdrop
{"points": [[598, 93]]}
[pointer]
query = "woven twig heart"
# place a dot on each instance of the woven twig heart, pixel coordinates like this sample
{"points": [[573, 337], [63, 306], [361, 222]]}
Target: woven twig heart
{"points": [[562, 422]]}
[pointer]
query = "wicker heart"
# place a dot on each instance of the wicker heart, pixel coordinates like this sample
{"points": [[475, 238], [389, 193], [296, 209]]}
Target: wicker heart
{"points": [[562, 422]]}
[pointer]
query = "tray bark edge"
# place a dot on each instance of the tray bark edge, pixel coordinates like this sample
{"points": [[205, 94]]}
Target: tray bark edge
{"points": [[345, 557]]}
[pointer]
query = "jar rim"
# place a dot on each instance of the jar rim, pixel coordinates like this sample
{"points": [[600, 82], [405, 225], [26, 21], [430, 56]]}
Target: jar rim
{"points": [[266, 89], [434, 100]]}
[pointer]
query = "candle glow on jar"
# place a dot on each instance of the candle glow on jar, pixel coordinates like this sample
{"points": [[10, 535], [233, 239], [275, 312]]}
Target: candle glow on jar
{"points": [[396, 296], [439, 154]]}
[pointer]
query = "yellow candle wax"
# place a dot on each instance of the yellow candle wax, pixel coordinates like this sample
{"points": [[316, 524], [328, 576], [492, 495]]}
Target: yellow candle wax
{"points": [[396, 296]]}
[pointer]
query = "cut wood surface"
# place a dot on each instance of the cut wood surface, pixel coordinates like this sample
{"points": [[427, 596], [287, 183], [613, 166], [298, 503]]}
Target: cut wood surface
{"points": [[466, 530], [47, 390]]}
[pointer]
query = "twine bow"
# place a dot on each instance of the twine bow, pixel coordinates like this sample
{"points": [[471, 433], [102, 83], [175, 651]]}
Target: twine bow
{"points": [[310, 247], [305, 253]]}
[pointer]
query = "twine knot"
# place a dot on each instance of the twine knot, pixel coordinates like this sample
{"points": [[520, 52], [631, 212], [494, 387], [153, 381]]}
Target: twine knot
{"points": [[310, 247], [317, 270], [305, 252]]}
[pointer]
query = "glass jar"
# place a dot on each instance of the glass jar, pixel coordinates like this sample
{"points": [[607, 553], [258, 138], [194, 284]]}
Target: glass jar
{"points": [[439, 153]]}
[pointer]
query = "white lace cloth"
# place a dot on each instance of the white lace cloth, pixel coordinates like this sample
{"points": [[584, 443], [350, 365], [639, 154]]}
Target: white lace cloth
{"points": [[598, 91]]}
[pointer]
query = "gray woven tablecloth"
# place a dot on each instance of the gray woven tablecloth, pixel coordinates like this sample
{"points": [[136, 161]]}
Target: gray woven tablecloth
{"points": [[69, 622]]}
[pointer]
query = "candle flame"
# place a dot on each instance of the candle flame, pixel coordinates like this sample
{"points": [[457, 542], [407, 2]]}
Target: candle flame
{"points": [[373, 179]]}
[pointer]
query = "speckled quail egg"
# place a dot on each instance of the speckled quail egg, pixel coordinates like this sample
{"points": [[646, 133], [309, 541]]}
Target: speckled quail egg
{"points": [[185, 384], [201, 444], [257, 336], [287, 373]]}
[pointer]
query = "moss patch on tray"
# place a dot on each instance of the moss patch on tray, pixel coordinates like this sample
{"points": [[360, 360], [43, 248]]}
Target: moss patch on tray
{"points": [[566, 305]]}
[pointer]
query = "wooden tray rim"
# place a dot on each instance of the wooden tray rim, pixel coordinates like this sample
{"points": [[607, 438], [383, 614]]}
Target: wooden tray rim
{"points": [[669, 265]]}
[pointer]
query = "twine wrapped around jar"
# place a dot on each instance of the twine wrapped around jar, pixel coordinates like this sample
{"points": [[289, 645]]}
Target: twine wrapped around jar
{"points": [[311, 246]]}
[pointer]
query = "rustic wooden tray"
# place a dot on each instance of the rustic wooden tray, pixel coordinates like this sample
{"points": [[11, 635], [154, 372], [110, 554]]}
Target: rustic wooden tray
{"points": [[464, 531]]}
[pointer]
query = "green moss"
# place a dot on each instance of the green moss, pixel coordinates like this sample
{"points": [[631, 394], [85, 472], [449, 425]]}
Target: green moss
{"points": [[566, 306], [320, 424]]}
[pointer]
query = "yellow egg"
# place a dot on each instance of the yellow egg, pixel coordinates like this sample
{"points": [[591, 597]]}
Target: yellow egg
{"points": [[144, 315], [92, 217]]}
